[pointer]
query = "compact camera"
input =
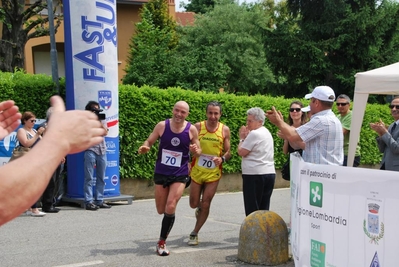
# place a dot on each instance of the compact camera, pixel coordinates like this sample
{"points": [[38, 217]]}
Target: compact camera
{"points": [[100, 116], [42, 125]]}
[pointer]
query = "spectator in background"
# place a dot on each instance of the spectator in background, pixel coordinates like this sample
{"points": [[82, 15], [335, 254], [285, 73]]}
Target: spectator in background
{"points": [[95, 157], [296, 118], [388, 138], [26, 177], [257, 165], [345, 117], [48, 194], [306, 110], [28, 137], [321, 138]]}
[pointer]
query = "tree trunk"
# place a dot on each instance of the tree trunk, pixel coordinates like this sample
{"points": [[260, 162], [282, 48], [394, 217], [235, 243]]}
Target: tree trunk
{"points": [[11, 56], [12, 51], [12, 44], [6, 55]]}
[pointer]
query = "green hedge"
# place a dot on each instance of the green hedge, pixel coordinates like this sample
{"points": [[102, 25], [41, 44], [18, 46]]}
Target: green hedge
{"points": [[140, 109], [30, 92]]}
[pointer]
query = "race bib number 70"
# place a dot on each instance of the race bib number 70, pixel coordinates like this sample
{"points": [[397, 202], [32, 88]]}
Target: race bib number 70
{"points": [[205, 161], [171, 158]]}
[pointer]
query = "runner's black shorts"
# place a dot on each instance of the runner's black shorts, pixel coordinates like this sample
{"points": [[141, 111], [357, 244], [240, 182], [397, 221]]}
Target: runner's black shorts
{"points": [[167, 180]]}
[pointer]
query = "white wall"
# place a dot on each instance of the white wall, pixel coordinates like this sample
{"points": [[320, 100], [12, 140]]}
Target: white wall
{"points": [[43, 63]]}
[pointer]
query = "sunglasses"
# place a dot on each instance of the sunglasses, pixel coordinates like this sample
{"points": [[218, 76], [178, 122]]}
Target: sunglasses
{"points": [[342, 104], [394, 106], [295, 109], [32, 120]]}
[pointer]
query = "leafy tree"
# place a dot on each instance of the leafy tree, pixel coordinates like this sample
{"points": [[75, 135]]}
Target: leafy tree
{"points": [[200, 68], [232, 36], [203, 6], [160, 18], [199, 6], [327, 42], [21, 23], [151, 50]]}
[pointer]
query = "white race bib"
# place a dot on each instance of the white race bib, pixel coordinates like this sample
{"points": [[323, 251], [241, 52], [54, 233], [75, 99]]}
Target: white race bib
{"points": [[205, 161], [171, 158]]}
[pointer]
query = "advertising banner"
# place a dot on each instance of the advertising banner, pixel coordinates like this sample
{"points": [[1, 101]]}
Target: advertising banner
{"points": [[91, 61], [343, 216]]}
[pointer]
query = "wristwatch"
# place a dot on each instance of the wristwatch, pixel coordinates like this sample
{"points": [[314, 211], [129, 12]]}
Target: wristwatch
{"points": [[223, 159]]}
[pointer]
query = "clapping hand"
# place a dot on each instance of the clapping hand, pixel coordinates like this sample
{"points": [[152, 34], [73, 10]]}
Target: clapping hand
{"points": [[9, 118], [243, 132], [379, 127]]}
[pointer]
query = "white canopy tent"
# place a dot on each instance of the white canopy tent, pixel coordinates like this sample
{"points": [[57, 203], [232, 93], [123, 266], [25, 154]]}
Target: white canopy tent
{"points": [[385, 81]]}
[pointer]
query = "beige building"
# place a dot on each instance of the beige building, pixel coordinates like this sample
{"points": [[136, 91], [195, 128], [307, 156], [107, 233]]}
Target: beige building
{"points": [[37, 50]]}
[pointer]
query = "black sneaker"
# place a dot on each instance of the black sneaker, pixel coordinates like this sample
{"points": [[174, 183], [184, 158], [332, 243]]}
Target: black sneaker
{"points": [[91, 206], [51, 210], [104, 206]]}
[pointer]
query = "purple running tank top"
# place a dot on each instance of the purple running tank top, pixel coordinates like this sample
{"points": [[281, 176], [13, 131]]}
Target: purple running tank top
{"points": [[173, 152]]}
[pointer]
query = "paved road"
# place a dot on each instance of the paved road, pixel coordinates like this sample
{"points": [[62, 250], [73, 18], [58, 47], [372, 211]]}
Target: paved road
{"points": [[126, 235]]}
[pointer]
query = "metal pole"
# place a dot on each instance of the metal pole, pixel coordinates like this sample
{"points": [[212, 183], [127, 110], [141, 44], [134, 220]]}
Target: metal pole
{"points": [[53, 48]]}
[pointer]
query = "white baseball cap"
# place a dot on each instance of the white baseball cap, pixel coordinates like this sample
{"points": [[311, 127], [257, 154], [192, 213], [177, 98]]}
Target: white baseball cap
{"points": [[323, 93], [306, 109]]}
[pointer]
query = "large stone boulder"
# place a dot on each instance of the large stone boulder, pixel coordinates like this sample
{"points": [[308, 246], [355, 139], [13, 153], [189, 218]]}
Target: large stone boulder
{"points": [[263, 239]]}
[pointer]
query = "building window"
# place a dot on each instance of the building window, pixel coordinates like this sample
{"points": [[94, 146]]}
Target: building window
{"points": [[56, 3]]}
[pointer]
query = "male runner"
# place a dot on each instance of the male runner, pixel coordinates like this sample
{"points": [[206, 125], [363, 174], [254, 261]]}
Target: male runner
{"points": [[177, 139], [206, 169]]}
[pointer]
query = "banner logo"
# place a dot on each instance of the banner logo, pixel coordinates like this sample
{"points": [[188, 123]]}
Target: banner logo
{"points": [[375, 262], [105, 99], [317, 254], [175, 141], [373, 228], [316, 194], [114, 179]]}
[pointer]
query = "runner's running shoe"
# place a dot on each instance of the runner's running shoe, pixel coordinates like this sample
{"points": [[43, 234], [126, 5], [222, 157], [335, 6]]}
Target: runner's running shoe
{"points": [[161, 248], [193, 240]]}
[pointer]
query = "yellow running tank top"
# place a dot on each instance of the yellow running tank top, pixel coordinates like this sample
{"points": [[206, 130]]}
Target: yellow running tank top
{"points": [[203, 169]]}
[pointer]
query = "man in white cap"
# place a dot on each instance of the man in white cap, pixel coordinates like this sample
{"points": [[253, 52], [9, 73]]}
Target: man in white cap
{"points": [[321, 138], [307, 111]]}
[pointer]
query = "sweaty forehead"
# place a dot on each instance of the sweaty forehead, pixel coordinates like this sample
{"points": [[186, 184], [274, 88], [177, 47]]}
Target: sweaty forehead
{"points": [[395, 101], [181, 107], [213, 109]]}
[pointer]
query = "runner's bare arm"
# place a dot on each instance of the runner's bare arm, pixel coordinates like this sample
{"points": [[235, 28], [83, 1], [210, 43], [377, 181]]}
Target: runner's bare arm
{"points": [[152, 138], [195, 147]]}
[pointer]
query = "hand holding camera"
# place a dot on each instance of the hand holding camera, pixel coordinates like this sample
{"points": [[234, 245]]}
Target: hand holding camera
{"points": [[94, 107], [41, 128], [100, 116]]}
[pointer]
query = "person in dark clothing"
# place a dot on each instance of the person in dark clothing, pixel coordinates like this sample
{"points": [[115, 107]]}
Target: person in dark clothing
{"points": [[48, 194]]}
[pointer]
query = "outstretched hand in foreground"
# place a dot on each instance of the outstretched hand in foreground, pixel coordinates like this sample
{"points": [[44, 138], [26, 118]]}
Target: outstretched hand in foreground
{"points": [[76, 130], [9, 118]]}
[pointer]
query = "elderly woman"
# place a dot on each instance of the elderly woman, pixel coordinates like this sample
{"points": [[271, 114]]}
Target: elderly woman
{"points": [[257, 165]]}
